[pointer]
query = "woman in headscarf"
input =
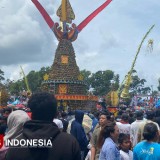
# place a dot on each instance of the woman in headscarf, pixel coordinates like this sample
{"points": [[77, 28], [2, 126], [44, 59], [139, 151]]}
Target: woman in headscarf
{"points": [[15, 124]]}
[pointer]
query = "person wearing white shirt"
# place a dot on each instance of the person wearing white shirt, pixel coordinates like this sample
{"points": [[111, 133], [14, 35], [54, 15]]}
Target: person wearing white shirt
{"points": [[135, 127], [125, 145], [123, 125]]}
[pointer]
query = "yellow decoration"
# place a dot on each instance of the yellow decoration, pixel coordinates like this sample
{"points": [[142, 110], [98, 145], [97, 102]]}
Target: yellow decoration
{"points": [[64, 16], [128, 80], [45, 77], [64, 59], [76, 97], [25, 80], [125, 91], [62, 88], [64, 104], [80, 77], [114, 98], [65, 12]]}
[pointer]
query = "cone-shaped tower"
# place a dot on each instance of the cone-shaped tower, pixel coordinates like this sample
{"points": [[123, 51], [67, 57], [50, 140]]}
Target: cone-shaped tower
{"points": [[64, 66], [64, 79]]}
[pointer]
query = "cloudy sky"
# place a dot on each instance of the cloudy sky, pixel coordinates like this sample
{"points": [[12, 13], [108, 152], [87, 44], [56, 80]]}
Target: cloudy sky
{"points": [[109, 41]]}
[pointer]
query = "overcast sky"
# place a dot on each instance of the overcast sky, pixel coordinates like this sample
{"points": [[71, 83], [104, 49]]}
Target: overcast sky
{"points": [[108, 42]]}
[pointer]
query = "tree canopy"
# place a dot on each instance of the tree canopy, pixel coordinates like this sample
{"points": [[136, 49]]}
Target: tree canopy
{"points": [[159, 84], [138, 85], [100, 82], [1, 76]]}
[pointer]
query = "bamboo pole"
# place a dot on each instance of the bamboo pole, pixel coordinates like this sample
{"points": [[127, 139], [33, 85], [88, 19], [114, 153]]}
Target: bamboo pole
{"points": [[26, 80], [128, 77]]}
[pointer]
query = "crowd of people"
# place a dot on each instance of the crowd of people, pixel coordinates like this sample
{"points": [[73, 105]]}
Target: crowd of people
{"points": [[130, 135]]}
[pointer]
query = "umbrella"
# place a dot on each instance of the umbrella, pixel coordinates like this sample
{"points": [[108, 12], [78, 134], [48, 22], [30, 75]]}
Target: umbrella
{"points": [[87, 124]]}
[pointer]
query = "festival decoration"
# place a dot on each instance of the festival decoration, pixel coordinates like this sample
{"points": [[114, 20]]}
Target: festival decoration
{"points": [[80, 77], [64, 79], [66, 15], [113, 110], [64, 59], [114, 98], [46, 77], [62, 88], [128, 79], [150, 45], [26, 82]]}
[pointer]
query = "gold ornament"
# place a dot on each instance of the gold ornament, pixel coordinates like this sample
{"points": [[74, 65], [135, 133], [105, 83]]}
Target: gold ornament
{"points": [[114, 98], [46, 77], [62, 88], [64, 59], [65, 12], [80, 77]]}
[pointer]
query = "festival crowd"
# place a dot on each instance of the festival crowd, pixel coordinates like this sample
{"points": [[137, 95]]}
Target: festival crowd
{"points": [[129, 135]]}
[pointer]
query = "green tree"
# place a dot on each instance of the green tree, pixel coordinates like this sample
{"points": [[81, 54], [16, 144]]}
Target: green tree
{"points": [[155, 93], [16, 87], [138, 85], [116, 81], [86, 77], [145, 90], [101, 82], [159, 84], [35, 79], [1, 76]]}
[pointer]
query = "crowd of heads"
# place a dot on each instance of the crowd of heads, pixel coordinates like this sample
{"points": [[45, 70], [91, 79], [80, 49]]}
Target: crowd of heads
{"points": [[43, 107]]}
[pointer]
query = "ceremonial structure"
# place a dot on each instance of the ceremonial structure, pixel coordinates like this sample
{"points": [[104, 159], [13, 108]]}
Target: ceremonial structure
{"points": [[64, 79], [128, 79]]}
